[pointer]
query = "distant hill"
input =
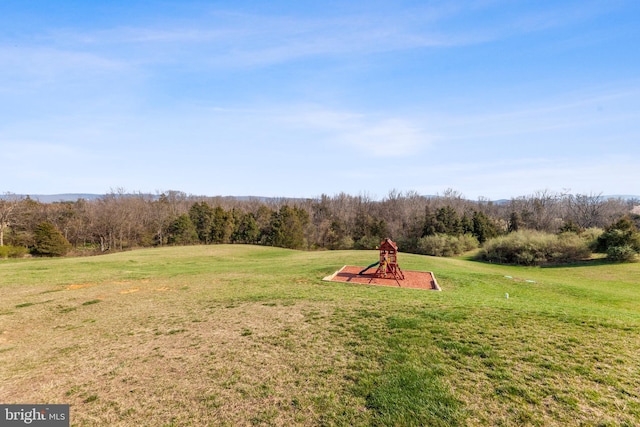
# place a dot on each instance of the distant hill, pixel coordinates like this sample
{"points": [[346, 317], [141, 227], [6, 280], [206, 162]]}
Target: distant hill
{"points": [[604, 197], [52, 198], [622, 196], [72, 197]]}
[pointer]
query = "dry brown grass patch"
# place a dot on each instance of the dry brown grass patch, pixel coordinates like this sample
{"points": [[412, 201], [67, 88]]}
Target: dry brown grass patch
{"points": [[180, 361]]}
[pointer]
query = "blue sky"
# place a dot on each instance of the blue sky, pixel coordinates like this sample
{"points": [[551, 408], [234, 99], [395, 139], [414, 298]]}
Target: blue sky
{"points": [[490, 98]]}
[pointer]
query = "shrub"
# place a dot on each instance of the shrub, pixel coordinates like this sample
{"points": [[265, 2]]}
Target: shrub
{"points": [[620, 241], [571, 227], [344, 242], [18, 252], [434, 245], [367, 242], [591, 236], [568, 247], [624, 253], [407, 244], [535, 248], [13, 251], [469, 242], [445, 245]]}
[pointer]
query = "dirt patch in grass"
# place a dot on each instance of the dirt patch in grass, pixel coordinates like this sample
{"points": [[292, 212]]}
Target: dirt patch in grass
{"points": [[80, 286]]}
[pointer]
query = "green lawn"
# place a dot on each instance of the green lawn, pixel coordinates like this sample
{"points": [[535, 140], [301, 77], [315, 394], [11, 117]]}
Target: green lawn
{"points": [[243, 335]]}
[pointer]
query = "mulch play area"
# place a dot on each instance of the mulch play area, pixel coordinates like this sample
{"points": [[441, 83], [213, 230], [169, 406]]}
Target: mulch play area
{"points": [[412, 279]]}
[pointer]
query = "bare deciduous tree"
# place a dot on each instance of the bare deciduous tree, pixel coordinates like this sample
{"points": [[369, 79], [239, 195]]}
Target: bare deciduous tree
{"points": [[586, 210], [7, 207]]}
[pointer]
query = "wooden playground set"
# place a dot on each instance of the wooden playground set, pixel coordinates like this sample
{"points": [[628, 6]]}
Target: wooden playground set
{"points": [[387, 273]]}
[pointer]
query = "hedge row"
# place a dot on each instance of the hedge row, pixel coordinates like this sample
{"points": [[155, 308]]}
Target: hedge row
{"points": [[536, 248]]}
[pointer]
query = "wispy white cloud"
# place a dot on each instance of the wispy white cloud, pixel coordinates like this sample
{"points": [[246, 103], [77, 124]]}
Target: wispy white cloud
{"points": [[52, 60], [374, 135], [583, 112], [28, 69], [387, 138], [231, 39], [18, 152]]}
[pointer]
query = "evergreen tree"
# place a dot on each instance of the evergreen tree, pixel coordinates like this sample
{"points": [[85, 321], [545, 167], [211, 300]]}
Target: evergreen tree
{"points": [[430, 222], [448, 221], [515, 222], [467, 224], [337, 235], [483, 228], [49, 241], [182, 231], [246, 230], [286, 229], [378, 228], [221, 226], [264, 216], [201, 215]]}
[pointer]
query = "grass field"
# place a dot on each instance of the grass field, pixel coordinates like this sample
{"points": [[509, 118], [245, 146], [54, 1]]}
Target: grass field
{"points": [[242, 335]]}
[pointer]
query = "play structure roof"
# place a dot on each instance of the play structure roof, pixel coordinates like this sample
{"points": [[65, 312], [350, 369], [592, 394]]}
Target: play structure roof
{"points": [[388, 244]]}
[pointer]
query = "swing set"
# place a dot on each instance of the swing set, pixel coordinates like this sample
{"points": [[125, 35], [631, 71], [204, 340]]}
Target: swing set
{"points": [[388, 264]]}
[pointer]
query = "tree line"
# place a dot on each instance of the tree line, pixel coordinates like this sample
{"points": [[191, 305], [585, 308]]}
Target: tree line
{"points": [[120, 220]]}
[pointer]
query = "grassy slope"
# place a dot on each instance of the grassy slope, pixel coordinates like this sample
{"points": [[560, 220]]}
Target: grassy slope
{"points": [[240, 335]]}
